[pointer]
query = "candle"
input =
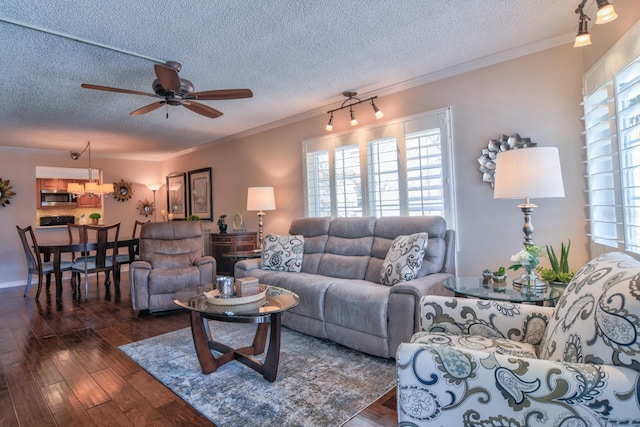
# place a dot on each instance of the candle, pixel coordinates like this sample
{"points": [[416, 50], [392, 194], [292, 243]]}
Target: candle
{"points": [[170, 217], [163, 212]]}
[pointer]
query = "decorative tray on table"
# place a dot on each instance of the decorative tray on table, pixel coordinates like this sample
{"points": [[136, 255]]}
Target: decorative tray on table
{"points": [[214, 297]]}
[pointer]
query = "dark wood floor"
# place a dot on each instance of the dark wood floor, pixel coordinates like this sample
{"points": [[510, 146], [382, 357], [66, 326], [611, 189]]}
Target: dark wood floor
{"points": [[60, 365]]}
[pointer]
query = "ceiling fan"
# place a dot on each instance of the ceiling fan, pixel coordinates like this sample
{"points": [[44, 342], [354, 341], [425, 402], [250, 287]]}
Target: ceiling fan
{"points": [[173, 90]]}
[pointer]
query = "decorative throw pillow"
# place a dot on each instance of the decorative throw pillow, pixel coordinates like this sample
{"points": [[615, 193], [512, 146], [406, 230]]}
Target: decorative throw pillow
{"points": [[403, 259], [282, 253]]}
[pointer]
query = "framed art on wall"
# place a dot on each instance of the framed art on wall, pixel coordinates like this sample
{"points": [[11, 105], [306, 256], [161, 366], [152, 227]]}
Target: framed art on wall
{"points": [[177, 196], [200, 197]]}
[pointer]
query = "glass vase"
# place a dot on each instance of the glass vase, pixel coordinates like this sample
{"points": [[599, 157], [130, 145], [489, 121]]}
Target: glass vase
{"points": [[529, 280]]}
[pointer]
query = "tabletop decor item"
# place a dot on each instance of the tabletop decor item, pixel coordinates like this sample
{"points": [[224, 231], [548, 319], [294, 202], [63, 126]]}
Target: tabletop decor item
{"points": [[559, 271], [146, 208], [499, 277], [5, 192], [95, 217], [486, 276], [122, 190], [528, 258], [222, 226]]}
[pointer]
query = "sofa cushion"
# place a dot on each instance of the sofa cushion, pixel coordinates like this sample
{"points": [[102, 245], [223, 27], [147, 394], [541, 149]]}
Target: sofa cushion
{"points": [[348, 248], [316, 233], [388, 228], [404, 259], [282, 253], [477, 343], [597, 318]]}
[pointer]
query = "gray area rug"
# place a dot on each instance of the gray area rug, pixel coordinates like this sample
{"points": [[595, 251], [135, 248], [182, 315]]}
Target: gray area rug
{"points": [[319, 383]]}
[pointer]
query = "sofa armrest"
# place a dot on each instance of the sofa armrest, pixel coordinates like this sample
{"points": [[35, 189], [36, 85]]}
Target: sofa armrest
{"points": [[448, 384], [139, 279], [243, 268], [404, 306], [207, 267], [517, 322]]}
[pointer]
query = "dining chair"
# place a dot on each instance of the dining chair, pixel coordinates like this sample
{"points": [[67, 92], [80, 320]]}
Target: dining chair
{"points": [[102, 260], [125, 258], [35, 263]]}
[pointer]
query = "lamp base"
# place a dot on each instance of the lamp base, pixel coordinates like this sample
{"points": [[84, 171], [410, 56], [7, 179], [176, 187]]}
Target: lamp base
{"points": [[527, 209]]}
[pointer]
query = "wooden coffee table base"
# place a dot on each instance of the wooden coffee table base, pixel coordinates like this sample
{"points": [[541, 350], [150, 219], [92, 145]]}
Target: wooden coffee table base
{"points": [[204, 344]]}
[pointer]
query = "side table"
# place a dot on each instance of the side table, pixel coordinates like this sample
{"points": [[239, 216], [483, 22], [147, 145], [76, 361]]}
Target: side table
{"points": [[473, 287], [223, 243], [240, 255]]}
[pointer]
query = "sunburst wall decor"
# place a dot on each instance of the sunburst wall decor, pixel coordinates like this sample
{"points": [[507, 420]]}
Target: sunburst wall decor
{"points": [[5, 192]]}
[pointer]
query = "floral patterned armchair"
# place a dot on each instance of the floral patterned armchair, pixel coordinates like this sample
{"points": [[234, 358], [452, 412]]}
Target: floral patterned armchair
{"points": [[489, 363]]}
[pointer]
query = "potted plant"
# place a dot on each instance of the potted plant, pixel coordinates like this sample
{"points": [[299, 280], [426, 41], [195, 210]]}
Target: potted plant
{"points": [[499, 278], [221, 224], [95, 217], [559, 271], [486, 276], [193, 218]]}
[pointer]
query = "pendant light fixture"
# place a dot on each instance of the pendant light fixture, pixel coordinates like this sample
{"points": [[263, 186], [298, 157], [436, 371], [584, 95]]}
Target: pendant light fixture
{"points": [[349, 103], [91, 187]]}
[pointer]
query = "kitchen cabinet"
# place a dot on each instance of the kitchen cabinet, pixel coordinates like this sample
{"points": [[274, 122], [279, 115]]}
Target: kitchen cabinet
{"points": [[222, 243]]}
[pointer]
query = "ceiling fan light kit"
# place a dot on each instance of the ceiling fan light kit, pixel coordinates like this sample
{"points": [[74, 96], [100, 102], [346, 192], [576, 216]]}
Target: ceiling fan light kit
{"points": [[349, 103], [606, 13], [176, 91]]}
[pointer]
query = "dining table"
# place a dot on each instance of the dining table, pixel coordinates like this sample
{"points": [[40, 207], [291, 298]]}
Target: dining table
{"points": [[57, 248]]}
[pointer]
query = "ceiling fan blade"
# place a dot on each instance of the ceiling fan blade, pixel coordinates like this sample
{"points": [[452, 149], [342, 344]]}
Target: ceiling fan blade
{"points": [[205, 110], [213, 95], [148, 108], [168, 77], [115, 89]]}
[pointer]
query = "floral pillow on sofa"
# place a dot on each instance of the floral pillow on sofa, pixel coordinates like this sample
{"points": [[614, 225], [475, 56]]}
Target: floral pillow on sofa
{"points": [[282, 253], [404, 259]]}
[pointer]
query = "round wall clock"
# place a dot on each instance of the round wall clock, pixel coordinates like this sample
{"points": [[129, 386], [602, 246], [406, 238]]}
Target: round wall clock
{"points": [[122, 190]]}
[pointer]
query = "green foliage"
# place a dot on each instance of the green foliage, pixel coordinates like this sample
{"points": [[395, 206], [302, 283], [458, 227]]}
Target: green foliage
{"points": [[193, 218], [95, 215], [559, 271], [501, 271]]}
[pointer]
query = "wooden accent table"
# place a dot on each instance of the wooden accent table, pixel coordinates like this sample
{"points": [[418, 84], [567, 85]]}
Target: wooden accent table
{"points": [[223, 243], [266, 312]]}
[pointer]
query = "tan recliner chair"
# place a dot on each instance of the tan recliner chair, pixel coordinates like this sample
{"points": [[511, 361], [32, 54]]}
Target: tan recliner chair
{"points": [[171, 259]]}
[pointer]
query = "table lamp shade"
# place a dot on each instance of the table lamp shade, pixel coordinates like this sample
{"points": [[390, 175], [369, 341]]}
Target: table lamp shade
{"points": [[528, 173], [261, 199]]}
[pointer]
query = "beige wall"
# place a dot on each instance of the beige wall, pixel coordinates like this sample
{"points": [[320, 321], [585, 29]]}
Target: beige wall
{"points": [[537, 96]]}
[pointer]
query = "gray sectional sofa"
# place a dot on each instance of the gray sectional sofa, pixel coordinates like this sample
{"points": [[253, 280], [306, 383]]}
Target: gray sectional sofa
{"points": [[341, 295]]}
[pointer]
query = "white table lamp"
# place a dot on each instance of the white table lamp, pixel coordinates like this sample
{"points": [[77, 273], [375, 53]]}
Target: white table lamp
{"points": [[528, 173], [260, 199]]}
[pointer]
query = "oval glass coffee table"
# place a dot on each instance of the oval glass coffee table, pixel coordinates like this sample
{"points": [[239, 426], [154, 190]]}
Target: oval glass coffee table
{"points": [[265, 312], [473, 287]]}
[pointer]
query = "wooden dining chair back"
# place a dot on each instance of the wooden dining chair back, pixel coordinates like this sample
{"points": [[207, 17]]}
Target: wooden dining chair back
{"points": [[103, 258], [126, 258], [35, 263]]}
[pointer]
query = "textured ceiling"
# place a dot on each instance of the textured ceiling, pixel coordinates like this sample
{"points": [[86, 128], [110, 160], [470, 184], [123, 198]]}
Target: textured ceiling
{"points": [[297, 56]]}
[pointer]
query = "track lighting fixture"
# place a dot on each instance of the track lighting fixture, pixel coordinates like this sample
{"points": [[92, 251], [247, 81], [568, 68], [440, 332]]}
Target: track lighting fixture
{"points": [[349, 103], [606, 13]]}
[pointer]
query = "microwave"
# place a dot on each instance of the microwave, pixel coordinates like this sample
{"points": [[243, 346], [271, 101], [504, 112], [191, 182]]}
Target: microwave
{"points": [[57, 198]]}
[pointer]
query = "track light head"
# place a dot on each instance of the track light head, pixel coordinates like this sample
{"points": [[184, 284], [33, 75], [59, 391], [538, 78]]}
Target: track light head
{"points": [[606, 12], [329, 126], [379, 114], [583, 38], [354, 121]]}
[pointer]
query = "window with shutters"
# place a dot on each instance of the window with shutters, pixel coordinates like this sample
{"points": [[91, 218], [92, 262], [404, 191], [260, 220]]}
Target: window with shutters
{"points": [[399, 168]]}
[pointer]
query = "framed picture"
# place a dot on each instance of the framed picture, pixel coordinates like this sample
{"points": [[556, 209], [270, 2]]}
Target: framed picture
{"points": [[200, 197], [177, 196]]}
